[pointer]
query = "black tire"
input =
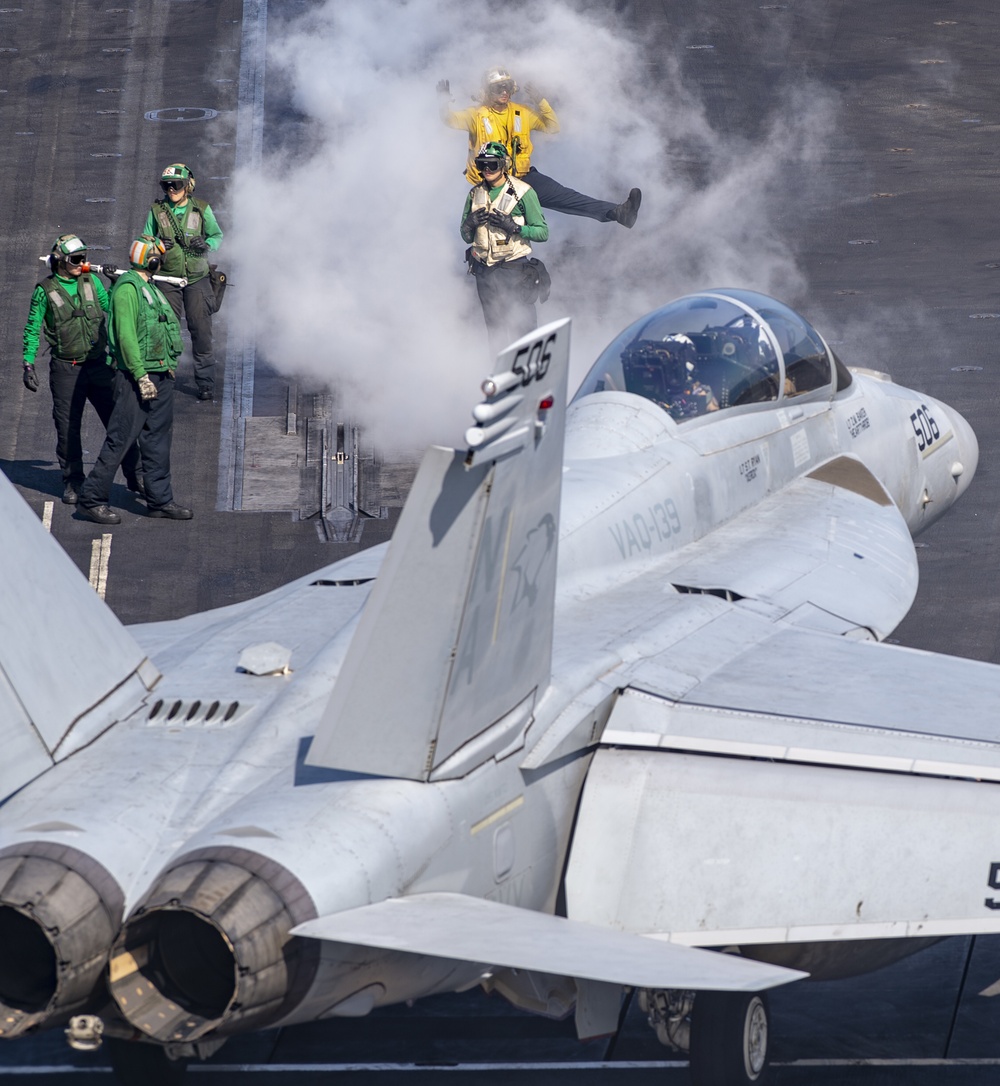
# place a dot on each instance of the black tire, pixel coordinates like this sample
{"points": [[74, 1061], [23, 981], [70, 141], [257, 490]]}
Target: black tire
{"points": [[138, 1064], [729, 1039]]}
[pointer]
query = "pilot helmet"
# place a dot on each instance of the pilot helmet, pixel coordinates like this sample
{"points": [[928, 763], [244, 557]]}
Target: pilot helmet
{"points": [[679, 360]]}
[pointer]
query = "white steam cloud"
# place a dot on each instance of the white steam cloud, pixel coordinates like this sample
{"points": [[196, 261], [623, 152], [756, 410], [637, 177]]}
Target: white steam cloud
{"points": [[354, 239]]}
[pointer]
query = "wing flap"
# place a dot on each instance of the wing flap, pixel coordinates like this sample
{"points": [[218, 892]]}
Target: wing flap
{"points": [[644, 720], [707, 850], [472, 929]]}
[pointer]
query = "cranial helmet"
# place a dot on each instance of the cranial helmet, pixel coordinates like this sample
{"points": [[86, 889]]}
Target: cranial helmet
{"points": [[494, 78], [66, 244], [493, 150], [177, 171], [146, 252]]}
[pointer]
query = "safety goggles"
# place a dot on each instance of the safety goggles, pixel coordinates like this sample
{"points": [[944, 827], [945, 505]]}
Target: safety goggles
{"points": [[489, 165], [173, 186], [76, 259], [503, 87]]}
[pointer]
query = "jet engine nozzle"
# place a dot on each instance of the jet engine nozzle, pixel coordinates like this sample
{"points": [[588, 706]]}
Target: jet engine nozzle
{"points": [[59, 912], [209, 950]]}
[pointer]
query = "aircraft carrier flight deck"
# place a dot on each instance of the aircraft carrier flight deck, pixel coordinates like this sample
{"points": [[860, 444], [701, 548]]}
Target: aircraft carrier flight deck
{"points": [[882, 228]]}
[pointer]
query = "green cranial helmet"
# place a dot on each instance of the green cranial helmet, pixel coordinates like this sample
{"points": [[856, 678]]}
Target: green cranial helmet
{"points": [[67, 244], [177, 171], [146, 252], [490, 154]]}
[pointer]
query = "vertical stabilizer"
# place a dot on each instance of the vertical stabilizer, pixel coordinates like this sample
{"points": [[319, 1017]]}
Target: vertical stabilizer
{"points": [[455, 642], [62, 650]]}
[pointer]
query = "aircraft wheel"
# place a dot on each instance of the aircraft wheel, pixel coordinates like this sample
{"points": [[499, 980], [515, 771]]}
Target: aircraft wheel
{"points": [[138, 1064], [729, 1038]]}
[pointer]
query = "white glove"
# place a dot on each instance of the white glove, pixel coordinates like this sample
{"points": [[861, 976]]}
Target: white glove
{"points": [[147, 390]]}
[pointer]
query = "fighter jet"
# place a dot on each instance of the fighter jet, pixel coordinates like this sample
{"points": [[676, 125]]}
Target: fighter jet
{"points": [[610, 702]]}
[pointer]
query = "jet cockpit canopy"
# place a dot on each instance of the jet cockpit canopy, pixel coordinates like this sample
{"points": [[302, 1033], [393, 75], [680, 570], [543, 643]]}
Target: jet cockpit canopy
{"points": [[714, 351]]}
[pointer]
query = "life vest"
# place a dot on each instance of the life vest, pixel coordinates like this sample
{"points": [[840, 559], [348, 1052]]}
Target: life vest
{"points": [[510, 126], [74, 326], [490, 244], [181, 229], [158, 331]]}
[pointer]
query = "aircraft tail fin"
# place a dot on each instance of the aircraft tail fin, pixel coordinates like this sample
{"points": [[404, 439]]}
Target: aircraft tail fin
{"points": [[455, 642], [65, 659]]}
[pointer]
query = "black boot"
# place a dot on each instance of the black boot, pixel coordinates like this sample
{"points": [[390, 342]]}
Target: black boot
{"points": [[627, 212], [99, 514]]}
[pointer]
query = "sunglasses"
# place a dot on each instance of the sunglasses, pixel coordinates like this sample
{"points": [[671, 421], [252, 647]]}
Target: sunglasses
{"points": [[76, 259], [489, 165], [173, 186]]}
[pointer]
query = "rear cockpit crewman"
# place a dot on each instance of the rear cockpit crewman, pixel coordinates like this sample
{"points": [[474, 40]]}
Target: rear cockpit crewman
{"points": [[666, 371]]}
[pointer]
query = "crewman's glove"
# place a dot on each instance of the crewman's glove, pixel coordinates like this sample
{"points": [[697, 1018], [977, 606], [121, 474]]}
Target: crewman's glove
{"points": [[531, 93], [503, 222], [168, 243], [30, 378], [475, 218], [147, 390], [443, 87], [197, 245]]}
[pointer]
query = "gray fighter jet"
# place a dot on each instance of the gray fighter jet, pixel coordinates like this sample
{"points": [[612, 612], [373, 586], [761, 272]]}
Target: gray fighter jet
{"points": [[611, 701]]}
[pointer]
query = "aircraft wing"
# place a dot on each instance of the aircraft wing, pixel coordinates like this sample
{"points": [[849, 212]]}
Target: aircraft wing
{"points": [[457, 926], [814, 788]]}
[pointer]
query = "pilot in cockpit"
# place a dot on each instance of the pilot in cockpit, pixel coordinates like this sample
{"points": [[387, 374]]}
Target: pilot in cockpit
{"points": [[666, 371]]}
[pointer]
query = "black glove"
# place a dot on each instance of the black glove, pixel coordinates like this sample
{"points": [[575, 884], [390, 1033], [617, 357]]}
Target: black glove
{"points": [[168, 243], [444, 86], [197, 245], [475, 218], [503, 222], [30, 378]]}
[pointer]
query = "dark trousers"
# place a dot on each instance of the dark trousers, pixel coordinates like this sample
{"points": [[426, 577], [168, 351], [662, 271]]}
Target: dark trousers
{"points": [[557, 197], [507, 294], [72, 385], [197, 300], [133, 418]]}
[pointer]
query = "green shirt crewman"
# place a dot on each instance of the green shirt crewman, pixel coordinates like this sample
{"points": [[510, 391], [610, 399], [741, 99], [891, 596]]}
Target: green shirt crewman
{"points": [[145, 341], [501, 218], [68, 308], [190, 233]]}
